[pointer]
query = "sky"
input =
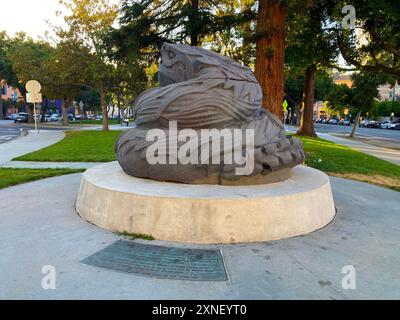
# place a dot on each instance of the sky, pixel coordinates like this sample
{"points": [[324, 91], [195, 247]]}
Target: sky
{"points": [[29, 16]]}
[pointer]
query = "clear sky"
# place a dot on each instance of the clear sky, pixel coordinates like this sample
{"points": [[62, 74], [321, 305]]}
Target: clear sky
{"points": [[29, 16]]}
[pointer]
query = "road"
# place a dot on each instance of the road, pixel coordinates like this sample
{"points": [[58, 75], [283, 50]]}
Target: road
{"points": [[8, 131], [383, 134]]}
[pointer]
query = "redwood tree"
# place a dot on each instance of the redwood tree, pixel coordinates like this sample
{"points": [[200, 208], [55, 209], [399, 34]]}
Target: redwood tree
{"points": [[270, 49], [310, 49], [306, 122]]}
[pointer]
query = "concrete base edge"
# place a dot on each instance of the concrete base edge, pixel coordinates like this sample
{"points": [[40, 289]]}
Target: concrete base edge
{"points": [[111, 199]]}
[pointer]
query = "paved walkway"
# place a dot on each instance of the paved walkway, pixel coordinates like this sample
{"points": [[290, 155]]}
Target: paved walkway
{"points": [[48, 165], [41, 228], [390, 155], [28, 143]]}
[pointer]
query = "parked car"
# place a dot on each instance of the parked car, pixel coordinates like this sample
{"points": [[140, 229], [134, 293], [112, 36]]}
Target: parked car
{"points": [[324, 121], [47, 118], [54, 117], [364, 123], [344, 122], [11, 116], [333, 121], [21, 117], [385, 124], [99, 117], [393, 125], [373, 124]]}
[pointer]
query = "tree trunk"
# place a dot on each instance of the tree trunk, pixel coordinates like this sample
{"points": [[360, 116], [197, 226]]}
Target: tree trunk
{"points": [[356, 123], [29, 110], [64, 109], [103, 106], [306, 123], [43, 110], [270, 51], [119, 108], [194, 37]]}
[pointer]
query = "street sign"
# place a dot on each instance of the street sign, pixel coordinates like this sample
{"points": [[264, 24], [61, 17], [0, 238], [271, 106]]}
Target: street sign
{"points": [[33, 86], [285, 106], [34, 98]]}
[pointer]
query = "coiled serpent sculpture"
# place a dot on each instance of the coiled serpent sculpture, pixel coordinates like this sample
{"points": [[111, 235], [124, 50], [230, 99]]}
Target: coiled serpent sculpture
{"points": [[200, 89]]}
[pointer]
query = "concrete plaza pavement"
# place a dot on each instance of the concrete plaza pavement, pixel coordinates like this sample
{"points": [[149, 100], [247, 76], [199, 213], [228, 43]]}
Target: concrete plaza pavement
{"points": [[40, 227]]}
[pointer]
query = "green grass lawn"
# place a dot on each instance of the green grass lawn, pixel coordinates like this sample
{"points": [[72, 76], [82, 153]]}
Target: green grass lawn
{"points": [[12, 177], [341, 161], [334, 159], [78, 146]]}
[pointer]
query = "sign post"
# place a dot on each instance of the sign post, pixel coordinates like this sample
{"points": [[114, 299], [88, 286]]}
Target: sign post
{"points": [[34, 96], [285, 112], [346, 112]]}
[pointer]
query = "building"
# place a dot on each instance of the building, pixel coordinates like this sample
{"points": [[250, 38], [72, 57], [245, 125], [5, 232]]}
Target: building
{"points": [[318, 110], [11, 94], [387, 92], [343, 79]]}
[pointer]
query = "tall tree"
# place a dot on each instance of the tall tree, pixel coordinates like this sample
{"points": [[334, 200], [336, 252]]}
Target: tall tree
{"points": [[60, 69], [374, 42], [270, 53], [339, 97], [7, 72], [88, 22], [145, 25], [310, 48], [28, 59], [364, 92]]}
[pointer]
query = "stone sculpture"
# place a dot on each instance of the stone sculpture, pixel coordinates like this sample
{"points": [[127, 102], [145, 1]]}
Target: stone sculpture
{"points": [[200, 89]]}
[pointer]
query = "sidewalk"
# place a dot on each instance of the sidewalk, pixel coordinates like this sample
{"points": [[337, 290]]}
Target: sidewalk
{"points": [[26, 144], [47, 165], [386, 154], [36, 232]]}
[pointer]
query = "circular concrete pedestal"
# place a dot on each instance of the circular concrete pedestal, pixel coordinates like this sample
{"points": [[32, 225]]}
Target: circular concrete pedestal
{"points": [[113, 200]]}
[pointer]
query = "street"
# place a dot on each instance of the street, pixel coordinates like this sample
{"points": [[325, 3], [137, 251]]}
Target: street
{"points": [[393, 135], [8, 131]]}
